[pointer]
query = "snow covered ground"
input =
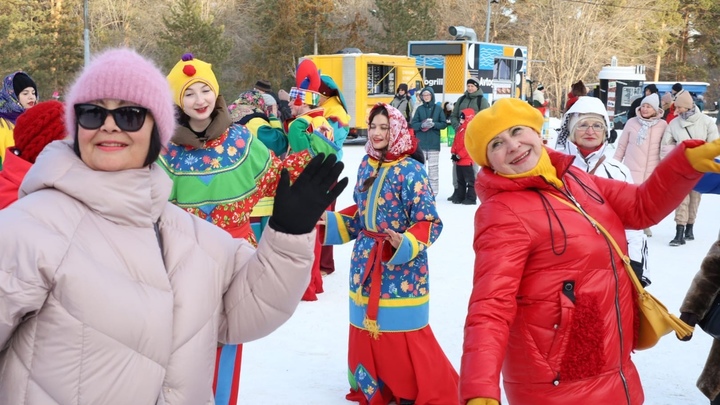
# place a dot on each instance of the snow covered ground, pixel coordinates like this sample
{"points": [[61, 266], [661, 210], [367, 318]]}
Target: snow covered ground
{"points": [[304, 361]]}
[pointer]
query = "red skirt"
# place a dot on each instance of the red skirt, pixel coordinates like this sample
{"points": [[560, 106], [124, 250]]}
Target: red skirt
{"points": [[400, 365]]}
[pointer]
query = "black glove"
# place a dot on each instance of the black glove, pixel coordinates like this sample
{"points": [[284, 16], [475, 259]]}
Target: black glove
{"points": [[454, 157], [298, 208], [690, 319]]}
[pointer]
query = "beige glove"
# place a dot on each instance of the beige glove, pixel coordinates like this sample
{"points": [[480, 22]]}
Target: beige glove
{"points": [[283, 95]]}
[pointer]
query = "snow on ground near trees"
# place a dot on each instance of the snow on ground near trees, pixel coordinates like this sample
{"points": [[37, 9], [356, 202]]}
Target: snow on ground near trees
{"points": [[304, 361]]}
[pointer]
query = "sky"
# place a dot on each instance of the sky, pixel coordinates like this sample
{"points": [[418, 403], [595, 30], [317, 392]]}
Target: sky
{"points": [[305, 360]]}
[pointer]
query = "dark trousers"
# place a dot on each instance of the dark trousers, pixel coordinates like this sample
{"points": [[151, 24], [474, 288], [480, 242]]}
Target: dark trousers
{"points": [[715, 401], [466, 183]]}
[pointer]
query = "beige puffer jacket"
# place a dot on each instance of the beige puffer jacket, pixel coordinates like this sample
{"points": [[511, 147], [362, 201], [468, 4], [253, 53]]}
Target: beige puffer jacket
{"points": [[90, 315], [697, 126]]}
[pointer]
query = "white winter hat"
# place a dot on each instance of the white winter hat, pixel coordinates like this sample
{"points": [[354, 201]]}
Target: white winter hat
{"points": [[653, 100]]}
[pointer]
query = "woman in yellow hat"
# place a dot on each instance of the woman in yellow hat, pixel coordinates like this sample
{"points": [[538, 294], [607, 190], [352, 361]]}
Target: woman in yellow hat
{"points": [[552, 305]]}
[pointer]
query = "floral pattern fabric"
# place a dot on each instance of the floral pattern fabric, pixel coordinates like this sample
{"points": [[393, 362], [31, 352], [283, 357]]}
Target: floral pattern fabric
{"points": [[222, 182]]}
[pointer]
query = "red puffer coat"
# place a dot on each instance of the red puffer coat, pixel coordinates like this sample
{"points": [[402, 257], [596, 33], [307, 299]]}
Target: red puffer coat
{"points": [[552, 303]]}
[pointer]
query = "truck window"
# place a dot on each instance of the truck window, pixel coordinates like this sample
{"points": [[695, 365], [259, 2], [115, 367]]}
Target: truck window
{"points": [[381, 79]]}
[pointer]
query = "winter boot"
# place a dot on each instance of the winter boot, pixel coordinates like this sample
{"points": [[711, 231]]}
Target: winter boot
{"points": [[679, 236], [689, 232], [468, 201], [454, 195]]}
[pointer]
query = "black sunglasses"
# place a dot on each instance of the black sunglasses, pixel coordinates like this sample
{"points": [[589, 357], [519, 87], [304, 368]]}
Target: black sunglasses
{"points": [[91, 116]]}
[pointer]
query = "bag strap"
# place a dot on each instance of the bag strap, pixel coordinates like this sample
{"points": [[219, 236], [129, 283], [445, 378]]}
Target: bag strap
{"points": [[688, 131], [602, 159]]}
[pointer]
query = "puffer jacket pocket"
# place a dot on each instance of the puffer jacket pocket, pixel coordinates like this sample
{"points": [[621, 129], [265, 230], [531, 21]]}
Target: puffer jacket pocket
{"points": [[538, 337], [567, 309]]}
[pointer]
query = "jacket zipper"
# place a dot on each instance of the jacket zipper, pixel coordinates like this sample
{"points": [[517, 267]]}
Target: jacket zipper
{"points": [[618, 316]]}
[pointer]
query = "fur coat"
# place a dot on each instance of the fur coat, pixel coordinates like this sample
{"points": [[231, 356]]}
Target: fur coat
{"points": [[700, 296]]}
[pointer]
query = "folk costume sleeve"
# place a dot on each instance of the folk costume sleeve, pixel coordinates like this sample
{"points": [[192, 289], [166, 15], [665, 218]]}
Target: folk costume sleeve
{"points": [[273, 137], [306, 133], [420, 206], [294, 163], [502, 246], [297, 134], [647, 204], [342, 226]]}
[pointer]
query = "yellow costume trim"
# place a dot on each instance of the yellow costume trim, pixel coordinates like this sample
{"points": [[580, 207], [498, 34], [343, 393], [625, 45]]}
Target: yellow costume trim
{"points": [[361, 300]]}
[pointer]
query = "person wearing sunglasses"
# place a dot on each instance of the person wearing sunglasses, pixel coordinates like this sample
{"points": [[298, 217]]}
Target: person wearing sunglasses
{"points": [[109, 293]]}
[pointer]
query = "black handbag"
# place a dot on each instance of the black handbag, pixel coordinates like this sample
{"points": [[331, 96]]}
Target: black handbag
{"points": [[711, 322]]}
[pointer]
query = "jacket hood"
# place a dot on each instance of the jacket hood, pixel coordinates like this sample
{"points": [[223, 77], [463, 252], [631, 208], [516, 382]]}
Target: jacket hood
{"points": [[583, 105], [432, 99], [489, 184], [469, 114], [134, 197], [474, 94]]}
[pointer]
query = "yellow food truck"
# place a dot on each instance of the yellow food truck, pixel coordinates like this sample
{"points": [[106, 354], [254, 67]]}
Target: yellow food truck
{"points": [[366, 79], [499, 68]]}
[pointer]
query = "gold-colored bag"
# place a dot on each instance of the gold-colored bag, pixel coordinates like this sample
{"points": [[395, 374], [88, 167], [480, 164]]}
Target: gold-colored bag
{"points": [[655, 320]]}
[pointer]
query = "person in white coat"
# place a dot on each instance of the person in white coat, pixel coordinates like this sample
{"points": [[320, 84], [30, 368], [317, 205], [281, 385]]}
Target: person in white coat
{"points": [[690, 123], [588, 134], [110, 294]]}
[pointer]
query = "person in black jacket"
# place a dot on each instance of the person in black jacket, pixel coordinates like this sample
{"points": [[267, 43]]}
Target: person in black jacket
{"points": [[403, 102]]}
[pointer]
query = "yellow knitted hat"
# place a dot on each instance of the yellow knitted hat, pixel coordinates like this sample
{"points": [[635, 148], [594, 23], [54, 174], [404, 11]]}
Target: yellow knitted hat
{"points": [[503, 114], [188, 72]]}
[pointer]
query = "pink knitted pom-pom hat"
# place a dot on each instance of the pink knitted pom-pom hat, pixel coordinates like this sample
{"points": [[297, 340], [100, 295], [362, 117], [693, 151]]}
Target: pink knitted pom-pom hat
{"points": [[123, 74]]}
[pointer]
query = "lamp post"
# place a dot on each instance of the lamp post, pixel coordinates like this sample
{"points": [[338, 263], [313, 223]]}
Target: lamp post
{"points": [[487, 21]]}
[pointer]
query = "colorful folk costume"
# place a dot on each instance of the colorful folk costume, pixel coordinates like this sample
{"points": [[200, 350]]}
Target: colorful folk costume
{"points": [[335, 112], [249, 110], [392, 352], [310, 132], [219, 176]]}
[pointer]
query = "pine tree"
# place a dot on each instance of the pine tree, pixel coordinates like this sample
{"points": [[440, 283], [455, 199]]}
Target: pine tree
{"points": [[186, 30], [46, 42], [403, 21]]}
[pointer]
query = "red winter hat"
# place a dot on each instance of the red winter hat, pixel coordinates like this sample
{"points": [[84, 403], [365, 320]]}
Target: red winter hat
{"points": [[37, 127]]}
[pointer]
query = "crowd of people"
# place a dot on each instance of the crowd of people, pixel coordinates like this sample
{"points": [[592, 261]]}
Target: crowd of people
{"points": [[183, 226]]}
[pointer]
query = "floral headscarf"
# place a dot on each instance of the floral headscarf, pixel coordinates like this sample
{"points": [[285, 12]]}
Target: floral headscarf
{"points": [[10, 107], [247, 103], [401, 141]]}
